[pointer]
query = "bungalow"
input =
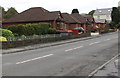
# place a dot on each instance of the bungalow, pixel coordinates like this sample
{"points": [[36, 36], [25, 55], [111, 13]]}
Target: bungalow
{"points": [[36, 15], [70, 21], [82, 19]]}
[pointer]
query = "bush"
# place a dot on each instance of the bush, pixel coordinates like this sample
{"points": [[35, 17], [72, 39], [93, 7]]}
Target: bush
{"points": [[3, 38], [6, 33], [52, 31], [30, 29]]}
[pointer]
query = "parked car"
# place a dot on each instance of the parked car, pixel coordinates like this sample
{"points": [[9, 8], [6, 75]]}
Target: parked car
{"points": [[65, 32], [80, 29]]}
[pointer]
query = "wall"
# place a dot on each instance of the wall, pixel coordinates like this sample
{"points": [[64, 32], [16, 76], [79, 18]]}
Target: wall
{"points": [[107, 17]]}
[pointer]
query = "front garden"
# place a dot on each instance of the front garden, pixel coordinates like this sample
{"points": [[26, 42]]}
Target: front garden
{"points": [[29, 34], [28, 31]]}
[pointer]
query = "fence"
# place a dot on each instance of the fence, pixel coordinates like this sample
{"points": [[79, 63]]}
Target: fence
{"points": [[40, 39], [21, 38]]}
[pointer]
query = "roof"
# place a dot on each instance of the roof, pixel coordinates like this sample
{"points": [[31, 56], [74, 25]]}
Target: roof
{"points": [[103, 11], [79, 17], [69, 18], [100, 21], [89, 18], [34, 14]]}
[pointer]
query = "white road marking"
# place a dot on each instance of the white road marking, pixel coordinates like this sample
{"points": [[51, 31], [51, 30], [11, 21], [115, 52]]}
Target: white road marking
{"points": [[97, 42], [73, 48], [34, 59], [94, 43], [108, 39], [78, 47], [91, 43], [68, 50]]}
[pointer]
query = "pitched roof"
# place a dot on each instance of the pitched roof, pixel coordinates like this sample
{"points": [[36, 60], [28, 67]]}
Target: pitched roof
{"points": [[34, 14], [69, 18], [103, 11], [79, 17], [89, 18]]}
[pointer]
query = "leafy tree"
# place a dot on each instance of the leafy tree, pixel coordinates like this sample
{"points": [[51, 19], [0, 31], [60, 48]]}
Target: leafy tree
{"points": [[10, 13], [115, 15], [75, 11], [91, 12]]}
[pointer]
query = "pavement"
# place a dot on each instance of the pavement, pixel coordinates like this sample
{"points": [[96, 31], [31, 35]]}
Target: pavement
{"points": [[78, 58], [108, 69]]}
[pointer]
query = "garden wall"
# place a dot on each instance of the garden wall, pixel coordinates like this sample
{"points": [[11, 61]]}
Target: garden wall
{"points": [[13, 44]]}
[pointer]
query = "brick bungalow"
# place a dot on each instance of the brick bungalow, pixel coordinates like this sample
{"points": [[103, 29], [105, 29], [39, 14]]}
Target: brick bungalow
{"points": [[82, 19], [36, 15], [70, 21]]}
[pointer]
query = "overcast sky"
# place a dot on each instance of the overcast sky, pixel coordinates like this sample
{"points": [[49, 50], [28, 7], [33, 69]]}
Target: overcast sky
{"points": [[84, 6]]}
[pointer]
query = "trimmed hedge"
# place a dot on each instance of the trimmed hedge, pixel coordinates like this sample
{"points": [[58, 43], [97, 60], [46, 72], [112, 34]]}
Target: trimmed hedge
{"points": [[30, 29]]}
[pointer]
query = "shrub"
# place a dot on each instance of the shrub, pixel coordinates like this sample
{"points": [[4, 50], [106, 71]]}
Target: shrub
{"points": [[6, 33], [52, 31], [30, 29], [3, 38]]}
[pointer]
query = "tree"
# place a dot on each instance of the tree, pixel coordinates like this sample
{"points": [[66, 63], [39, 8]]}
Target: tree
{"points": [[2, 12], [10, 13], [75, 11], [115, 15], [91, 12]]}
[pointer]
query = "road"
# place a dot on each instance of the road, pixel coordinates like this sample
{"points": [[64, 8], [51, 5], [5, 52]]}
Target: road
{"points": [[71, 59]]}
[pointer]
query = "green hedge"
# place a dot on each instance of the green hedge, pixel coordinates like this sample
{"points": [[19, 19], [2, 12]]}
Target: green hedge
{"points": [[30, 29], [52, 31], [6, 33]]}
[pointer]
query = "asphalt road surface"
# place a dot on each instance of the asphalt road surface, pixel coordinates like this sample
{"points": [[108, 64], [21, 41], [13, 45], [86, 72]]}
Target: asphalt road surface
{"points": [[71, 59]]}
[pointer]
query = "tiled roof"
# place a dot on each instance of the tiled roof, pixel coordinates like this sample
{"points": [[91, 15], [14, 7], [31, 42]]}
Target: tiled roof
{"points": [[34, 14], [89, 18], [69, 18], [103, 11], [79, 17]]}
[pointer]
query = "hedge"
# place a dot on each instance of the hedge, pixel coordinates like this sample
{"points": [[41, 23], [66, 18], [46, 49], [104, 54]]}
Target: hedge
{"points": [[30, 29], [6, 33]]}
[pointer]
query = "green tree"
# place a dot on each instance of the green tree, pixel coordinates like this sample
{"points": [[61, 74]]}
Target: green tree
{"points": [[115, 15], [75, 11], [91, 12], [10, 13]]}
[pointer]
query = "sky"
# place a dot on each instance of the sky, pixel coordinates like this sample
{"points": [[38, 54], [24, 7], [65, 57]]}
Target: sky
{"points": [[84, 6]]}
